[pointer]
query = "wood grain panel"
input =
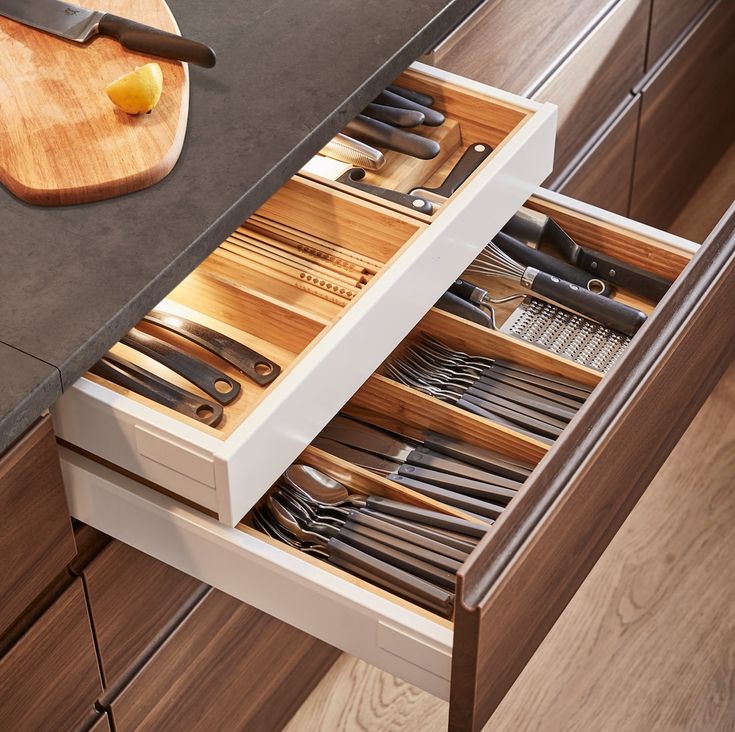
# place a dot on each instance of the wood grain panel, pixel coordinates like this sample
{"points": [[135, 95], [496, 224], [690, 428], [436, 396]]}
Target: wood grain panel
{"points": [[524, 573], [512, 49], [228, 666], [669, 19], [36, 539], [101, 725], [686, 119], [605, 175], [134, 601], [597, 78], [50, 678]]}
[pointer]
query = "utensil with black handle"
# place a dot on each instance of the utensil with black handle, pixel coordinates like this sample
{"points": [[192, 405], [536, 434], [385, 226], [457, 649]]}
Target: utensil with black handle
{"points": [[353, 178], [394, 116], [391, 138], [432, 118]]}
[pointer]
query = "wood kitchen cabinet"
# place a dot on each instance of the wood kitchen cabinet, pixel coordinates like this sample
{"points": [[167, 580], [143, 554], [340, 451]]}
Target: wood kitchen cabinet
{"points": [[36, 539], [686, 118], [50, 679], [227, 666], [669, 19]]}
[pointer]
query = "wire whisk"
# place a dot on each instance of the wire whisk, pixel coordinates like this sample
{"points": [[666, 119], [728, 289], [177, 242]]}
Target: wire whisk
{"points": [[493, 262]]}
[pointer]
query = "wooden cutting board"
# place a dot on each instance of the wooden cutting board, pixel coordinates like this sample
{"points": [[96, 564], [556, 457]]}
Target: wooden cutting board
{"points": [[62, 140]]}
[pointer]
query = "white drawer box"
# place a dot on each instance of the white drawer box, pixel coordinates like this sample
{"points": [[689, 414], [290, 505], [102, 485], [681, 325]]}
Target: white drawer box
{"points": [[395, 635], [327, 351]]}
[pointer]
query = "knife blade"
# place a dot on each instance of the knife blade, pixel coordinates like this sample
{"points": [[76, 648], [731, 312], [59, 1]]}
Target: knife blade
{"points": [[353, 177], [537, 228], [80, 25], [373, 447]]}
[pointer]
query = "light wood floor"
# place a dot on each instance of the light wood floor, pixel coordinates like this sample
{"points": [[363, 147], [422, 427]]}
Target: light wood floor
{"points": [[648, 643]]}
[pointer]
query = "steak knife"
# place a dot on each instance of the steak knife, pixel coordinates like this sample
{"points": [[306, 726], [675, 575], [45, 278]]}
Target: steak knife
{"points": [[80, 25]]}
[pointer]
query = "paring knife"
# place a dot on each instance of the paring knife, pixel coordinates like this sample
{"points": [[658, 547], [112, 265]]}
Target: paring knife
{"points": [[465, 166], [536, 228], [257, 367], [80, 25]]}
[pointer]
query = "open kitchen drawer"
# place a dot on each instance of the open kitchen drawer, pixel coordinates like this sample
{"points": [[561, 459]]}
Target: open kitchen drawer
{"points": [[519, 578], [329, 345]]}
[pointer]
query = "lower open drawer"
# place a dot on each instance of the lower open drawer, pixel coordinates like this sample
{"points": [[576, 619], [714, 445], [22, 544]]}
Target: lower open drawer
{"points": [[518, 579]]}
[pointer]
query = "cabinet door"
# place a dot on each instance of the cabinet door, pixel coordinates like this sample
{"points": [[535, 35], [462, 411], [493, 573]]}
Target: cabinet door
{"points": [[669, 18], [604, 176], [36, 540], [50, 679], [227, 667], [134, 601], [686, 120]]}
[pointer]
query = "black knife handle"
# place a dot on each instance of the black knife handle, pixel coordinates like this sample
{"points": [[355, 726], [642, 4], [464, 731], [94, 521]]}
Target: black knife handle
{"points": [[615, 315], [211, 381], [432, 117], [425, 516], [393, 115], [126, 374], [422, 457], [406, 546], [411, 94], [624, 275], [383, 135], [463, 169], [487, 511], [392, 578], [144, 38], [377, 523], [417, 567], [353, 177], [254, 365], [530, 257], [451, 303]]}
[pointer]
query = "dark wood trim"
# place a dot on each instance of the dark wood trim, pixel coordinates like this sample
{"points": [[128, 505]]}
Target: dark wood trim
{"points": [[515, 587]]}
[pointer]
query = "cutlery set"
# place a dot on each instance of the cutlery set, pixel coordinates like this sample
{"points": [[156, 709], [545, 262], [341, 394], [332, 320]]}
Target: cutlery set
{"points": [[216, 384], [411, 551], [531, 402]]}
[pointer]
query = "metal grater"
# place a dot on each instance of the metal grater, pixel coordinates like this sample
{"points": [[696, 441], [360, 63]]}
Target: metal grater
{"points": [[566, 334]]}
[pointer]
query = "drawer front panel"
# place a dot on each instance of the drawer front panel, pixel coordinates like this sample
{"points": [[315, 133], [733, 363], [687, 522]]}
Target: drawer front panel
{"points": [[686, 119], [244, 670], [596, 79], [330, 351], [498, 45], [36, 539], [530, 567], [134, 602], [669, 18], [604, 177], [50, 678]]}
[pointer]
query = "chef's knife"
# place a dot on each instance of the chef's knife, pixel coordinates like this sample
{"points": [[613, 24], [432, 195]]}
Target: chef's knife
{"points": [[80, 25], [465, 166], [537, 228]]}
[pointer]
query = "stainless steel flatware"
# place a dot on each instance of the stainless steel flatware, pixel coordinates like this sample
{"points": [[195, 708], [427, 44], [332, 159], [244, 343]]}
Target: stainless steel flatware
{"points": [[80, 25]]}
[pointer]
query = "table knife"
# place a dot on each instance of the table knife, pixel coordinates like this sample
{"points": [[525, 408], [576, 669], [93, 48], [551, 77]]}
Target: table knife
{"points": [[80, 25], [536, 228]]}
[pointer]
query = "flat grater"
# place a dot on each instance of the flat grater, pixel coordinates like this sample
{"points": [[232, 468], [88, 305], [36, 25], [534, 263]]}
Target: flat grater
{"points": [[565, 333]]}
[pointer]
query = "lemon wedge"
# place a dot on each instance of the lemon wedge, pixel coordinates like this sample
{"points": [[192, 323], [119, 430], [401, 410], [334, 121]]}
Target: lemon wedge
{"points": [[139, 91]]}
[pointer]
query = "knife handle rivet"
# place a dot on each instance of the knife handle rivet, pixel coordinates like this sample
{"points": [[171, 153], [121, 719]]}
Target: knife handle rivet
{"points": [[612, 273], [408, 469], [419, 203], [479, 148]]}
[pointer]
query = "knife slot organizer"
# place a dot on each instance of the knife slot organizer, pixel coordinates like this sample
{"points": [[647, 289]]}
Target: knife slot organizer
{"points": [[314, 253], [470, 117]]}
